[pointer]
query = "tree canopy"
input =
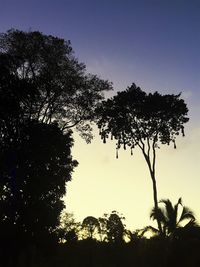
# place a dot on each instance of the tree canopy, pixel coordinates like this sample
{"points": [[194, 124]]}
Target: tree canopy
{"points": [[51, 83], [44, 93], [115, 228], [133, 117], [91, 225], [34, 172]]}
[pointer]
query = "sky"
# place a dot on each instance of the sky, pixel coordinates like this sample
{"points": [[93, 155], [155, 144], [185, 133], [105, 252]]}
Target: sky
{"points": [[153, 43]]}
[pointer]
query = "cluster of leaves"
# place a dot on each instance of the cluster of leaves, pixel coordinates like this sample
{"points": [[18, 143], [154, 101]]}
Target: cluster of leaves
{"points": [[34, 170], [133, 117], [52, 84], [109, 227], [176, 220]]}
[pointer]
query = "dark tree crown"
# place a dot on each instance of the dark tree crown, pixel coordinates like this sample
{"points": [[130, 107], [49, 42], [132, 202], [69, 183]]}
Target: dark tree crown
{"points": [[133, 116], [53, 83]]}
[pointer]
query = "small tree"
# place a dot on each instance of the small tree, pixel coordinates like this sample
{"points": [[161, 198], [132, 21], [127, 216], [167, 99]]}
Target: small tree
{"points": [[91, 225], [68, 230], [137, 119], [115, 228]]}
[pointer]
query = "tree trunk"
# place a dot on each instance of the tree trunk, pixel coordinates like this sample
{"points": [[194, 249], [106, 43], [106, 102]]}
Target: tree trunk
{"points": [[155, 197]]}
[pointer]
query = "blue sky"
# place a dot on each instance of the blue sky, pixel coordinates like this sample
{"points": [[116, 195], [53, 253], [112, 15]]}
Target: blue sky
{"points": [[153, 38], [154, 43]]}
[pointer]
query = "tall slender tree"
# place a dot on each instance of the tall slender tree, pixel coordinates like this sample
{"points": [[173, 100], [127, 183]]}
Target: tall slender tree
{"points": [[147, 121]]}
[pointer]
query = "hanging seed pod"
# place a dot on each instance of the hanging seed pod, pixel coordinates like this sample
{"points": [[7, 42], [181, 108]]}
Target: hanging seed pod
{"points": [[111, 137], [182, 131], [116, 153], [104, 139], [174, 145], [124, 146], [131, 151]]}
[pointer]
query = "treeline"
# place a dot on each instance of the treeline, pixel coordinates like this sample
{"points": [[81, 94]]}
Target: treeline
{"points": [[45, 95], [106, 241], [154, 252], [178, 222]]}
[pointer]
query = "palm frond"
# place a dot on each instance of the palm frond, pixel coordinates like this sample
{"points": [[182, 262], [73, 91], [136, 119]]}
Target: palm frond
{"points": [[180, 201], [187, 213], [170, 219], [149, 229], [192, 223], [177, 205], [168, 208], [158, 214]]}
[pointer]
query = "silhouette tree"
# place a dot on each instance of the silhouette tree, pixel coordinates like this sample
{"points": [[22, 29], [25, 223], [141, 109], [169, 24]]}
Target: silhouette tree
{"points": [[54, 86], [103, 227], [91, 225], [33, 178], [44, 91], [137, 119], [68, 229], [173, 217], [115, 228]]}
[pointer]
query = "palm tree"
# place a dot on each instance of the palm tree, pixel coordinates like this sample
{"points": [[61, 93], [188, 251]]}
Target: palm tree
{"points": [[171, 217]]}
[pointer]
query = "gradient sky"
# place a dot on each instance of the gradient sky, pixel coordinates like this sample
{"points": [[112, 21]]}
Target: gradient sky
{"points": [[154, 43]]}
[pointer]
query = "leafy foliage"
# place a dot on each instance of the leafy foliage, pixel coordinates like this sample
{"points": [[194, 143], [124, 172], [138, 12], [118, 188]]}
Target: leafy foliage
{"points": [[34, 170], [44, 91], [173, 217], [91, 225], [68, 229], [55, 85], [115, 228], [133, 117], [103, 227]]}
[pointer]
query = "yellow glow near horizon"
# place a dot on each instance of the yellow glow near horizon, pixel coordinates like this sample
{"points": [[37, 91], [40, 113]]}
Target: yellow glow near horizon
{"points": [[101, 183]]}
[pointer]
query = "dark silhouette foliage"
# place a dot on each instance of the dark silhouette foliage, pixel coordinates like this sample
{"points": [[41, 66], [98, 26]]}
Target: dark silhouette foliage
{"points": [[91, 226], [137, 119], [68, 229], [34, 171], [115, 228], [175, 219], [44, 92], [53, 85]]}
